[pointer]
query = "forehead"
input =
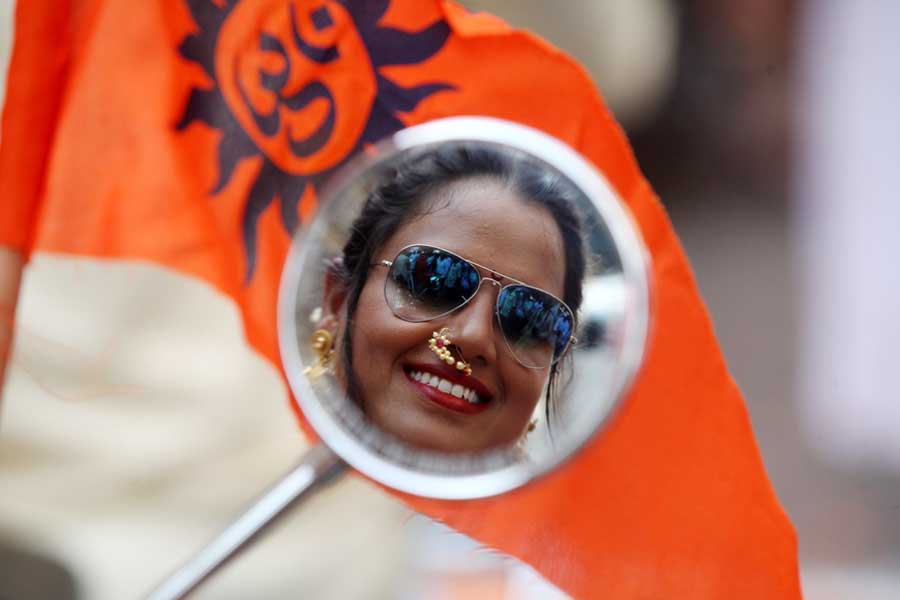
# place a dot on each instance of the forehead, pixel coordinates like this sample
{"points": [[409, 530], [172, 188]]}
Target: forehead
{"points": [[484, 221]]}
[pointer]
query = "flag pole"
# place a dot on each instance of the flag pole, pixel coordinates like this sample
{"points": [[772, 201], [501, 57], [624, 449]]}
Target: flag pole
{"points": [[318, 467]]}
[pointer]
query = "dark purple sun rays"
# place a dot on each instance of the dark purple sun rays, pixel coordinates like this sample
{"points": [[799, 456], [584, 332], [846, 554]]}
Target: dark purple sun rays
{"points": [[386, 46]]}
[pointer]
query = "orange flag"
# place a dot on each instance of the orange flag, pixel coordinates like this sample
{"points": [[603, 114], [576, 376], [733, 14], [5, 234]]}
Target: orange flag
{"points": [[196, 133]]}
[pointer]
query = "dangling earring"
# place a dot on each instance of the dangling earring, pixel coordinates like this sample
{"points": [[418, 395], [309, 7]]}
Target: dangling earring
{"points": [[531, 425], [323, 345], [439, 343]]}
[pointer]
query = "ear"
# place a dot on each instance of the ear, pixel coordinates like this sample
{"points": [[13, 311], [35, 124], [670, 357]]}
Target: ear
{"points": [[334, 297]]}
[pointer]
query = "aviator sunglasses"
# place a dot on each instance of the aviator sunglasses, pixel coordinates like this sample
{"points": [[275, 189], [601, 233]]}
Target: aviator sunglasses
{"points": [[425, 283]]}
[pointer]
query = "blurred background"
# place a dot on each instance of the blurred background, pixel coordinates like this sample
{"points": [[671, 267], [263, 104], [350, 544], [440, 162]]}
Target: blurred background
{"points": [[767, 127]]}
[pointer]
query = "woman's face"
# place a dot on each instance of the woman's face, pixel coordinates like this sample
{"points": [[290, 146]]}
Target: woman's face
{"points": [[482, 221]]}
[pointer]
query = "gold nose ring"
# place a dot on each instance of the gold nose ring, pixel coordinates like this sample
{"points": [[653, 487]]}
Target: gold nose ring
{"points": [[440, 344]]}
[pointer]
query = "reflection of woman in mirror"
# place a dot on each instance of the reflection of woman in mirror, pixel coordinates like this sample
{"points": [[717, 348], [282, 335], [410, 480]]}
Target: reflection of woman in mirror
{"points": [[454, 302]]}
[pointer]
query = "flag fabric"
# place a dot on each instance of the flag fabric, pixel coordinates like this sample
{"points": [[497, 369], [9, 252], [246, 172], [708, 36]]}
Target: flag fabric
{"points": [[195, 134]]}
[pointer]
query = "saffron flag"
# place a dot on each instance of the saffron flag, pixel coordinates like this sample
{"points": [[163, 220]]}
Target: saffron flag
{"points": [[196, 133]]}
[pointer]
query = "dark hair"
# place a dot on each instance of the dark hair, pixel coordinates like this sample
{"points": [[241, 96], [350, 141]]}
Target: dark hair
{"points": [[409, 184]]}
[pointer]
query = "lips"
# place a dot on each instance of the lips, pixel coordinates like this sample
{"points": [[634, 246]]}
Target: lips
{"points": [[448, 388]]}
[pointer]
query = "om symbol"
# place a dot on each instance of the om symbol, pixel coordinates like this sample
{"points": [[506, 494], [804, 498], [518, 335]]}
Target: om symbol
{"points": [[290, 76]]}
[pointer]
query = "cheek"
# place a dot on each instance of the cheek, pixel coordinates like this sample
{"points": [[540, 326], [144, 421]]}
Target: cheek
{"points": [[379, 340], [524, 391], [367, 327]]}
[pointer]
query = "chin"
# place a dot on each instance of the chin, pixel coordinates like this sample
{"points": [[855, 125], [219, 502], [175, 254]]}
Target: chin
{"points": [[422, 418], [437, 438]]}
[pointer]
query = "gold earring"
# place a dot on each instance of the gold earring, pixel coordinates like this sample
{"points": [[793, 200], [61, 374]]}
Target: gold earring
{"points": [[439, 344], [531, 425], [323, 345]]}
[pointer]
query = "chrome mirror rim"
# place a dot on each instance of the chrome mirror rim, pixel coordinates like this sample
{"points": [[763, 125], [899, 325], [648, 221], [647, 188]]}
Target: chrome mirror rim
{"points": [[636, 274]]}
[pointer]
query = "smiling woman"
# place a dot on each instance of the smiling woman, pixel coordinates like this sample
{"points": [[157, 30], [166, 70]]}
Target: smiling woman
{"points": [[450, 347]]}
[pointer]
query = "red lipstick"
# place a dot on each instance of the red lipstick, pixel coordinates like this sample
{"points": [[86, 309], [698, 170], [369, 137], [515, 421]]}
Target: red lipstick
{"points": [[426, 378]]}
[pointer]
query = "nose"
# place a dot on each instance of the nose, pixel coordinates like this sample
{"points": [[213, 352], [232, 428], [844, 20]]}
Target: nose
{"points": [[473, 326]]}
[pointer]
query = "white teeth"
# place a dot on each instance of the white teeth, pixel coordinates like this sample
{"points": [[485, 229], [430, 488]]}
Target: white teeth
{"points": [[457, 390]]}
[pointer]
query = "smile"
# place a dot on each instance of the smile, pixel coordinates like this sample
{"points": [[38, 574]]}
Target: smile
{"points": [[447, 387]]}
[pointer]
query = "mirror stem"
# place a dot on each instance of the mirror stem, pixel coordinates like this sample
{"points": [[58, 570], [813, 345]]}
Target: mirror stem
{"points": [[319, 466]]}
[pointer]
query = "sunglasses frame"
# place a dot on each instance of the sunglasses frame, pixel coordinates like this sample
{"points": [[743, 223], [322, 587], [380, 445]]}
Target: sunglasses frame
{"points": [[495, 280]]}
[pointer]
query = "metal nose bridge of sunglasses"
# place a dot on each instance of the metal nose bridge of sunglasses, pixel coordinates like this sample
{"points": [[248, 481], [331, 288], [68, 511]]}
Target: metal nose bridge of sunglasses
{"points": [[493, 281]]}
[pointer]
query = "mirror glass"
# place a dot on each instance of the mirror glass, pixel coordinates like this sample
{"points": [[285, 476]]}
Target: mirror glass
{"points": [[466, 309]]}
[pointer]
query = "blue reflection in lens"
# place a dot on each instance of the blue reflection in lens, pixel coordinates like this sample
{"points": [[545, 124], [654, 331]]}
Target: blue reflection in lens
{"points": [[530, 317], [438, 280]]}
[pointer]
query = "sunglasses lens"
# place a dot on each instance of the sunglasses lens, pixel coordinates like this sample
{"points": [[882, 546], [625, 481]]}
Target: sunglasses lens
{"points": [[424, 283], [537, 326]]}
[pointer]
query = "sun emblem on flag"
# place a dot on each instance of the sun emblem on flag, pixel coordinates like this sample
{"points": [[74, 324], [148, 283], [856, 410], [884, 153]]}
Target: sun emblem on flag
{"points": [[300, 84]]}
